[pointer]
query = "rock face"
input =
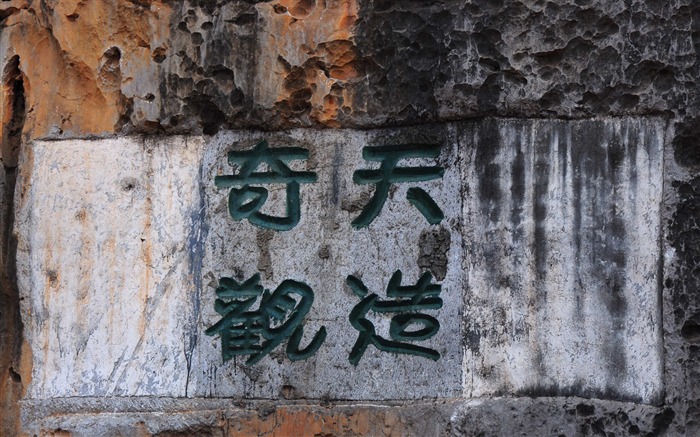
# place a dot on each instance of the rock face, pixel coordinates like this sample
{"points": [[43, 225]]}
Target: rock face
{"points": [[158, 66], [568, 254]]}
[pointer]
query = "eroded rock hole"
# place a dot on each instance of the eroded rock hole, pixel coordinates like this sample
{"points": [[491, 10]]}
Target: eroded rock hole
{"points": [[110, 72], [302, 8], [159, 54], [110, 81]]}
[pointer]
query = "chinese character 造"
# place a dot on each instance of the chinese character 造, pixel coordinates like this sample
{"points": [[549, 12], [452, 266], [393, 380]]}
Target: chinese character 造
{"points": [[245, 202], [407, 300], [388, 173], [258, 332]]}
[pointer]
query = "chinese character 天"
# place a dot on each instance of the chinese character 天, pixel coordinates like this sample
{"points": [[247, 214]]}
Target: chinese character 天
{"points": [[245, 202], [256, 333], [388, 174]]}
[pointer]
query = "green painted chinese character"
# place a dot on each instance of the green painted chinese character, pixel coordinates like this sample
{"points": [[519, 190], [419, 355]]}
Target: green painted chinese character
{"points": [[246, 202], [408, 300], [258, 332], [387, 174]]}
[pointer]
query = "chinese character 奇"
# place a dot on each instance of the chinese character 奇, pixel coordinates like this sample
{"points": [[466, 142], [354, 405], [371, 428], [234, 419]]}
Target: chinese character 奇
{"points": [[407, 301], [258, 332], [245, 202]]}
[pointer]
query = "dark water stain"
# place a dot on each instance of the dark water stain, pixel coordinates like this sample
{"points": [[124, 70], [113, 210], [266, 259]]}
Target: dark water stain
{"points": [[616, 255], [517, 192], [588, 166], [563, 154], [263, 237], [605, 158], [538, 301], [489, 170], [539, 213], [472, 339], [579, 389], [632, 145], [335, 177], [487, 167], [490, 191]]}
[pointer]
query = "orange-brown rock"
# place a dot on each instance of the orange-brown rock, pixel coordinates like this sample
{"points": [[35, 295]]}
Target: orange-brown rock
{"points": [[75, 58], [315, 55], [291, 421], [94, 68]]}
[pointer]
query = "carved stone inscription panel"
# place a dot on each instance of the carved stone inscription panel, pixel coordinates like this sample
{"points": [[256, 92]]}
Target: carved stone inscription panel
{"points": [[493, 257]]}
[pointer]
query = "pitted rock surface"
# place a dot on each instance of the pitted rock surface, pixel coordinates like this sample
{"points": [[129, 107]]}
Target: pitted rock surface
{"points": [[198, 66], [75, 69]]}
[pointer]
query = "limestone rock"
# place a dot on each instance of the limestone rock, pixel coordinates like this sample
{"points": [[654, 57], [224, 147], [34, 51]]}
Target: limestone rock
{"points": [[74, 70], [185, 67]]}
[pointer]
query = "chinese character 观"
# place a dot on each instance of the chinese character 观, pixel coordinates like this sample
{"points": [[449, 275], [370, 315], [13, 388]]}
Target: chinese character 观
{"points": [[258, 332]]}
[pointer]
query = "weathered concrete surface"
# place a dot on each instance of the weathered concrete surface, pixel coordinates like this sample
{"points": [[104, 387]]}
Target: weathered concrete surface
{"points": [[564, 237], [104, 267], [546, 265], [321, 251]]}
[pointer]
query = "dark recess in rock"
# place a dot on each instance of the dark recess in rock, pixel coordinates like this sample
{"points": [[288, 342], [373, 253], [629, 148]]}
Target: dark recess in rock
{"points": [[110, 78], [684, 235], [13, 81], [686, 144], [159, 55], [15, 106]]}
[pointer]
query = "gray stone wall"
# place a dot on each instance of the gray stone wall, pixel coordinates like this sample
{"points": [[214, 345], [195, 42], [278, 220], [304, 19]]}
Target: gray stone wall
{"points": [[570, 133]]}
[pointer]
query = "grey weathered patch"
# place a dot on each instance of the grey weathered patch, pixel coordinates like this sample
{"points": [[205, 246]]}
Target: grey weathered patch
{"points": [[434, 245], [263, 239], [563, 259]]}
